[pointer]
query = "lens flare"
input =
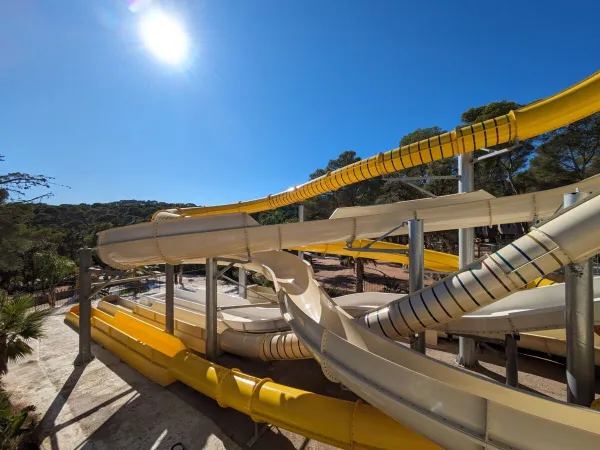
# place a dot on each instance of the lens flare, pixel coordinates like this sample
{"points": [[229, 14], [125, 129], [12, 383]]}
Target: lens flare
{"points": [[165, 37]]}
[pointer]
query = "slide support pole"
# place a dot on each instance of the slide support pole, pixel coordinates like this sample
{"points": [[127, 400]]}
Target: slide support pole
{"points": [[169, 298], [301, 219], [85, 307], [416, 268], [211, 310], [579, 315], [243, 282], [512, 368], [467, 357]]}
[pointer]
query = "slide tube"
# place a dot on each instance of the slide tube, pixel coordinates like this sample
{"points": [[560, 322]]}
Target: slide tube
{"points": [[570, 105], [191, 240], [455, 409], [438, 261], [356, 425], [571, 236], [190, 328]]}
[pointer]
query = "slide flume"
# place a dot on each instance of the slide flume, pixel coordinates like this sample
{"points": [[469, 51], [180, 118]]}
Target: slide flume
{"points": [[570, 105], [196, 238], [447, 405]]}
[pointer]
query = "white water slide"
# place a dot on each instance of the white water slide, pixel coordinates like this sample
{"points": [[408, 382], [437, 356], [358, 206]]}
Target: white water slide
{"points": [[449, 406]]}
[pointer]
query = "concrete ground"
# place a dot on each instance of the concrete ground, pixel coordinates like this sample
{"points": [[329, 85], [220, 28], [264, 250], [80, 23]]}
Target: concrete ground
{"points": [[108, 405]]}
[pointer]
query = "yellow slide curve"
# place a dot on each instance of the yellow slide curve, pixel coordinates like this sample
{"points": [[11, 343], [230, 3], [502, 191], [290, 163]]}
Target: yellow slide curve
{"points": [[570, 105], [438, 261], [163, 358]]}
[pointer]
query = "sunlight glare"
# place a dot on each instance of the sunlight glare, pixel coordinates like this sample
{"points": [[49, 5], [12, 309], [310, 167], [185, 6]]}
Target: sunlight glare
{"points": [[165, 37]]}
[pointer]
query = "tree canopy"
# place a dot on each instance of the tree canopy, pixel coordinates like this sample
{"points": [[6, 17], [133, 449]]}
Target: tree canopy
{"points": [[29, 228]]}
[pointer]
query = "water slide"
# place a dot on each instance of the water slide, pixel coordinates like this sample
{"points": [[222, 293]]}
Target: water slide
{"points": [[450, 407], [543, 116], [194, 238], [255, 331]]}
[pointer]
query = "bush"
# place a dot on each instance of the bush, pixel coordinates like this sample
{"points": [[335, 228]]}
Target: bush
{"points": [[15, 425]]}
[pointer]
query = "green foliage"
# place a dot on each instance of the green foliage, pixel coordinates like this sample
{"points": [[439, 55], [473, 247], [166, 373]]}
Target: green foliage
{"points": [[27, 229], [363, 193], [12, 423], [287, 214], [567, 155], [397, 192], [52, 269], [16, 185], [499, 175], [19, 324]]}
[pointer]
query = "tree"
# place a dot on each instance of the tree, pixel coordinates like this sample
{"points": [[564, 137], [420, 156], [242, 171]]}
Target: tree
{"points": [[362, 193], [52, 269], [396, 191], [567, 155], [16, 184], [12, 422], [499, 175], [18, 325]]}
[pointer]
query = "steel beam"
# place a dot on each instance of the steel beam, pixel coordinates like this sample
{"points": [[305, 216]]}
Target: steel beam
{"points": [[416, 267], [511, 353], [85, 307], [243, 282], [579, 315], [300, 219], [169, 298], [211, 310], [467, 357]]}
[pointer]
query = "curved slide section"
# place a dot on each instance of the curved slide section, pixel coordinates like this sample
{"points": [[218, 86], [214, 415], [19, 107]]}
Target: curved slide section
{"points": [[438, 261], [193, 239], [570, 236], [534, 310], [454, 409], [577, 102], [164, 359]]}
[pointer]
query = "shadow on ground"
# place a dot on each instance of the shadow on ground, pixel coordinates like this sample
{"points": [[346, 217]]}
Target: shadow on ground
{"points": [[305, 374], [141, 407]]}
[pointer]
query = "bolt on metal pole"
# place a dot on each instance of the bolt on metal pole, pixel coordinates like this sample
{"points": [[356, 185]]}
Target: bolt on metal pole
{"points": [[243, 282], [579, 315], [511, 353], [169, 298], [467, 357], [416, 270], [85, 307], [211, 310], [301, 219]]}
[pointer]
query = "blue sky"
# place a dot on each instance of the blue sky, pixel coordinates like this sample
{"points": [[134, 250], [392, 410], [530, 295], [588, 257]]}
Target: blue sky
{"points": [[272, 89]]}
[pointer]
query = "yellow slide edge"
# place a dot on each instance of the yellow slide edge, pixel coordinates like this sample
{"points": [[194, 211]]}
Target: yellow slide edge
{"points": [[356, 424], [577, 102]]}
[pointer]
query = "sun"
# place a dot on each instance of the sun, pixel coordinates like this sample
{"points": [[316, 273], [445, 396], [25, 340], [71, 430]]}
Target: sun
{"points": [[165, 37]]}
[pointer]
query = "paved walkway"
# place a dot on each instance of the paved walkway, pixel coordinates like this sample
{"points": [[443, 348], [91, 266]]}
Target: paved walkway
{"points": [[109, 405], [106, 405]]}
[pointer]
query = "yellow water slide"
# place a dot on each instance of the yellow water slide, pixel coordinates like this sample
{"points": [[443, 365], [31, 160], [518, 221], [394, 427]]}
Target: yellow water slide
{"points": [[163, 358], [438, 261], [563, 108]]}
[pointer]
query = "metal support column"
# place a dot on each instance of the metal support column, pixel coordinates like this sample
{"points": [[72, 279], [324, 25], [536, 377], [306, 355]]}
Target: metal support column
{"points": [[85, 307], [243, 281], [467, 357], [301, 219], [511, 353], [416, 268], [579, 317], [211, 309], [169, 298]]}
